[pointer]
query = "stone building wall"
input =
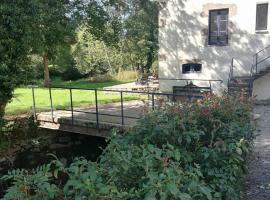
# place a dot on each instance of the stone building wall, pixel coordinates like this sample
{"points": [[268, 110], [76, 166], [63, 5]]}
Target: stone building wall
{"points": [[183, 38]]}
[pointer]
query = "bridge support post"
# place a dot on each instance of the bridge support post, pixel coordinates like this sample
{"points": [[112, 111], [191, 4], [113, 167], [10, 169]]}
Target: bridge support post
{"points": [[34, 104], [96, 101], [51, 103], [153, 101], [71, 105], [122, 108]]}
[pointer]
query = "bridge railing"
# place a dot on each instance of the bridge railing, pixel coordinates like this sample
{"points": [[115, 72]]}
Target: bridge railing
{"points": [[150, 97]]}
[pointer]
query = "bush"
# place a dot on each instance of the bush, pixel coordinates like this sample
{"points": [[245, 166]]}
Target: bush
{"points": [[14, 130], [101, 78], [120, 76], [71, 73], [126, 75], [183, 152]]}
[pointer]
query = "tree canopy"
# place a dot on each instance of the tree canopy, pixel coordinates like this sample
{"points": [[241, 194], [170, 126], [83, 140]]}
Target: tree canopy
{"points": [[105, 35], [15, 46]]}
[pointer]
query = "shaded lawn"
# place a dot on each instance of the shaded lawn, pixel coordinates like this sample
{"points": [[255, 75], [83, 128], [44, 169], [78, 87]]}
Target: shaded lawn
{"points": [[22, 101], [86, 84]]}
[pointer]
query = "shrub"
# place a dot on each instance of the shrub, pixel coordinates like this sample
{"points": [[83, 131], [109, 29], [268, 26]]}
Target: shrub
{"points": [[31, 185], [120, 76], [127, 75], [102, 78], [183, 152], [71, 73], [16, 129]]}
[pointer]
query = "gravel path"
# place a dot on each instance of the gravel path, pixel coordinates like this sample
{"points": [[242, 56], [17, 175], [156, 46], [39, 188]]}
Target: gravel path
{"points": [[257, 182]]}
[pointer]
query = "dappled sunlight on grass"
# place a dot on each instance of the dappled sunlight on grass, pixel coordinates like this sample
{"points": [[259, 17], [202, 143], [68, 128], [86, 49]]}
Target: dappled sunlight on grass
{"points": [[22, 101], [85, 83]]}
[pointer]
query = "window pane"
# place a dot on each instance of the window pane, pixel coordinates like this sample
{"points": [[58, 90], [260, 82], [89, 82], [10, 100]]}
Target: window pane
{"points": [[191, 68], [262, 16], [223, 17], [223, 26], [218, 27], [223, 12], [223, 39]]}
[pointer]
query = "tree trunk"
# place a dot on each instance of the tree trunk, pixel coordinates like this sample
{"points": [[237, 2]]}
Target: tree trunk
{"points": [[138, 67], [2, 113], [46, 70], [149, 60], [150, 53], [2, 109]]}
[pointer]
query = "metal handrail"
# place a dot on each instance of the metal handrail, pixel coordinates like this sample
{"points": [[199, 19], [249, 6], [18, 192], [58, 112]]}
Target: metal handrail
{"points": [[267, 47], [122, 115], [231, 72], [251, 80], [257, 61], [189, 79], [263, 60], [254, 67], [106, 90]]}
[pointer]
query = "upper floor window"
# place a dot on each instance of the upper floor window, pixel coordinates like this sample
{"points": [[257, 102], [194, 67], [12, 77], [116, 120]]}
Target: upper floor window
{"points": [[261, 17], [218, 27]]}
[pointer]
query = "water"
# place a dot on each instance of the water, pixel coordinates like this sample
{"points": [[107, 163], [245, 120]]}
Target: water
{"points": [[65, 146]]}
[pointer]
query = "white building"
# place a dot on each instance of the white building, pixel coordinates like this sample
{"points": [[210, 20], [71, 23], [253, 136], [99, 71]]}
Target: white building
{"points": [[199, 38]]}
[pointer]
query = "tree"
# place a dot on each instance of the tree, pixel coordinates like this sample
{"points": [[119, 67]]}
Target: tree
{"points": [[53, 27], [93, 55], [130, 27], [15, 40], [142, 32], [28, 27], [135, 22]]}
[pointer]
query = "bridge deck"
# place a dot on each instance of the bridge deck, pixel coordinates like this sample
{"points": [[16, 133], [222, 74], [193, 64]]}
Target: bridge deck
{"points": [[98, 120], [84, 120]]}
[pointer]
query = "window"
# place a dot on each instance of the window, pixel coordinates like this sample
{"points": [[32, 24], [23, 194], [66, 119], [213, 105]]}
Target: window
{"points": [[261, 16], [191, 68], [218, 27]]}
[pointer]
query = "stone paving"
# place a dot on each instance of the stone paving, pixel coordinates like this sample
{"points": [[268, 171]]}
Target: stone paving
{"points": [[257, 182]]}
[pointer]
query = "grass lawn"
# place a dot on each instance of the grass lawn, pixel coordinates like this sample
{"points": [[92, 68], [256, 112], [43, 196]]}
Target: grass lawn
{"points": [[86, 83], [22, 101]]}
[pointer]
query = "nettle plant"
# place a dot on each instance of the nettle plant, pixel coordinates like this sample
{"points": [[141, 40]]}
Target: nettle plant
{"points": [[192, 151]]}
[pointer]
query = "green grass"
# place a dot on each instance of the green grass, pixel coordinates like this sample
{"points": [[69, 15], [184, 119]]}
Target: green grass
{"points": [[22, 101], [86, 83]]}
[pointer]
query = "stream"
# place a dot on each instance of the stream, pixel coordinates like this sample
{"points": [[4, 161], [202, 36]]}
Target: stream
{"points": [[65, 146]]}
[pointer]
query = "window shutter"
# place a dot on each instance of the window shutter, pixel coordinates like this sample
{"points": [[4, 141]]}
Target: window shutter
{"points": [[262, 16]]}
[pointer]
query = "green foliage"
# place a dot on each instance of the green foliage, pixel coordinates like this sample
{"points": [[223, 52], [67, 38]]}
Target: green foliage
{"points": [[71, 74], [52, 25], [65, 65], [120, 35], [14, 130], [117, 35], [141, 39], [15, 37], [31, 185], [14, 47], [28, 28], [93, 56], [184, 152], [127, 75]]}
